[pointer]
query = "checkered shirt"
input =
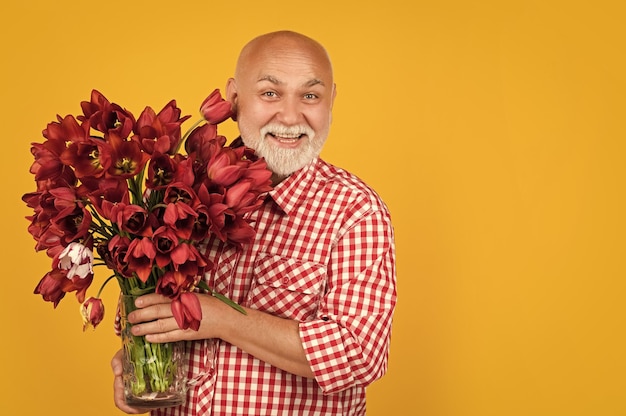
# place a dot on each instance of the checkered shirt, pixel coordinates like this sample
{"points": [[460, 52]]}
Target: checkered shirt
{"points": [[323, 255]]}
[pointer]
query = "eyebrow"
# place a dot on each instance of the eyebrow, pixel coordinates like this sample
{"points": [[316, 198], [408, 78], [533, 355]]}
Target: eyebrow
{"points": [[274, 80], [315, 81]]}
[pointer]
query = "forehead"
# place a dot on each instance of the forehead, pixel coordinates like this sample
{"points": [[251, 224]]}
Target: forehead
{"points": [[286, 63]]}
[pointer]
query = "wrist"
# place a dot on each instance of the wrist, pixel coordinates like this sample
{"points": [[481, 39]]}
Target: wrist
{"points": [[223, 319]]}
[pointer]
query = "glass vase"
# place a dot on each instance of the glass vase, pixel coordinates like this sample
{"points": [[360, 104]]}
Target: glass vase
{"points": [[154, 373]]}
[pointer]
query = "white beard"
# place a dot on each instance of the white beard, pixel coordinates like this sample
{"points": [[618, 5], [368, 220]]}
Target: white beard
{"points": [[282, 161]]}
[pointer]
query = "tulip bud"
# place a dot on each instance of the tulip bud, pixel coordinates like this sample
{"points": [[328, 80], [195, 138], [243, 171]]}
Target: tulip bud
{"points": [[215, 109], [92, 311]]}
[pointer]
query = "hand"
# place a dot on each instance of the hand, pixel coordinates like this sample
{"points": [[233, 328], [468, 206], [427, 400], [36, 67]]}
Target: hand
{"points": [[154, 319], [118, 387]]}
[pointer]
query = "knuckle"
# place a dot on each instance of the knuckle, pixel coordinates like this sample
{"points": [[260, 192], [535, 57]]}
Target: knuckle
{"points": [[161, 325]]}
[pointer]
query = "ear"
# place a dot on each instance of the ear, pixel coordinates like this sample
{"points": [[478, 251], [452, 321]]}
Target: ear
{"points": [[332, 101], [231, 91], [231, 95]]}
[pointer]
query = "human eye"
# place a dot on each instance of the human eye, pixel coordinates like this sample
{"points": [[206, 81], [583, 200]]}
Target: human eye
{"points": [[269, 94], [310, 96]]}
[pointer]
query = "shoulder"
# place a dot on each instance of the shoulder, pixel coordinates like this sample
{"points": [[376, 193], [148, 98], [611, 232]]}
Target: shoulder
{"points": [[338, 182]]}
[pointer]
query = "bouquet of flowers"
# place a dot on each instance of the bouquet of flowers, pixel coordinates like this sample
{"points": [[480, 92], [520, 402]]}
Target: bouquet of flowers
{"points": [[115, 190]]}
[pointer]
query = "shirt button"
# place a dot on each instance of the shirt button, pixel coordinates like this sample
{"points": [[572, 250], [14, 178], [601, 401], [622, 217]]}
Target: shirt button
{"points": [[285, 280]]}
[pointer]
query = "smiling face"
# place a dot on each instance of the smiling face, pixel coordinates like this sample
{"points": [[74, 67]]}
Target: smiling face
{"points": [[283, 94]]}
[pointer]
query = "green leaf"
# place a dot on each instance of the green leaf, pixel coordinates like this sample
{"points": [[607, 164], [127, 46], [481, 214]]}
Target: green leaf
{"points": [[203, 285], [229, 302]]}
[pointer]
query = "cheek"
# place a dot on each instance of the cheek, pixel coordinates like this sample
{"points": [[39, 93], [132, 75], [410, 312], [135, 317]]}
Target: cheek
{"points": [[252, 122], [320, 121], [247, 119], [255, 111]]}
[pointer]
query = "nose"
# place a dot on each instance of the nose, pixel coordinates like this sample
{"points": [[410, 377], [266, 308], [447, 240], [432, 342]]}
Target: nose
{"points": [[290, 111]]}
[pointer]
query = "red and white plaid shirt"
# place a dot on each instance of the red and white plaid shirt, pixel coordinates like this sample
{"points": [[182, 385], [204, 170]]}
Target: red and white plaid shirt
{"points": [[323, 255]]}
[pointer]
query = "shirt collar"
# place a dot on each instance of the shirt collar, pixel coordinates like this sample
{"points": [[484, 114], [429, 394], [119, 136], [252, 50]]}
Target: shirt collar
{"points": [[294, 190]]}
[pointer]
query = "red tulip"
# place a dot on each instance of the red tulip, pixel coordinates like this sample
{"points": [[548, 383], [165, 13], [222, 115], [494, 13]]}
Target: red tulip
{"points": [[117, 250], [161, 171], [48, 168], [181, 218], [50, 287], [179, 192], [159, 133], [239, 232], [105, 193], [198, 136], [130, 218], [188, 260], [105, 116], [187, 311], [85, 157], [215, 109], [222, 171], [172, 283], [125, 158], [165, 241], [140, 257]]}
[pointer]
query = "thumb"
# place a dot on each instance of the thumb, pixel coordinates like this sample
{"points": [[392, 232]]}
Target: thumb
{"points": [[116, 363]]}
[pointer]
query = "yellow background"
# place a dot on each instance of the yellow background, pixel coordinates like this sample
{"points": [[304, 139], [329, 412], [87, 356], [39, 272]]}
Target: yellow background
{"points": [[493, 129]]}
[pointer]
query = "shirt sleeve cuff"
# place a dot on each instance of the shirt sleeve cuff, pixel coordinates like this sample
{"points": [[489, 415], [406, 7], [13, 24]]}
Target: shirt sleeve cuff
{"points": [[327, 348]]}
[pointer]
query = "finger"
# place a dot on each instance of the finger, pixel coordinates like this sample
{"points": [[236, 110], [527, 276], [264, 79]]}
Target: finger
{"points": [[159, 326], [116, 363], [171, 336], [119, 397], [151, 299], [151, 313]]}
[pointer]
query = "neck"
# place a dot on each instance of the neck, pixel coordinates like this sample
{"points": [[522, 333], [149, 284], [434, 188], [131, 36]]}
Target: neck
{"points": [[276, 178]]}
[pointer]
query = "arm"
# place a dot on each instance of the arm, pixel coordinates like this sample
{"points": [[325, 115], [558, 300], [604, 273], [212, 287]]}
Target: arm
{"points": [[269, 338], [348, 344]]}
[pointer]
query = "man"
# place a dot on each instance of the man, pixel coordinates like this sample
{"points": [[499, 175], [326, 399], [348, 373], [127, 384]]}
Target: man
{"points": [[318, 283]]}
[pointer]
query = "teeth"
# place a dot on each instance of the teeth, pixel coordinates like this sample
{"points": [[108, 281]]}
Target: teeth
{"points": [[287, 136], [289, 133], [286, 139]]}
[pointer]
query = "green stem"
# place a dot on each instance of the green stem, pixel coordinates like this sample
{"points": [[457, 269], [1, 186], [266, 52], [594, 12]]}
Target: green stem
{"points": [[187, 133], [134, 186], [152, 362], [104, 284], [99, 224], [202, 285]]}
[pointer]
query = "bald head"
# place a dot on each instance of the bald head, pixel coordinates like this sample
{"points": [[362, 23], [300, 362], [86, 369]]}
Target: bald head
{"points": [[280, 44]]}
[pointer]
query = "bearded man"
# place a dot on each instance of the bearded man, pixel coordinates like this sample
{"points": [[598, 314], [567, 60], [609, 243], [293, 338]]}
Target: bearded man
{"points": [[318, 283]]}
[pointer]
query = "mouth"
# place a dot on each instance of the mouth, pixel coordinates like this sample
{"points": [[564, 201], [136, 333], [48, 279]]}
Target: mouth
{"points": [[286, 139]]}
